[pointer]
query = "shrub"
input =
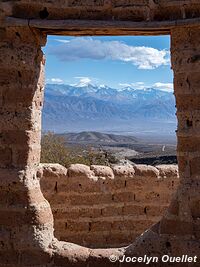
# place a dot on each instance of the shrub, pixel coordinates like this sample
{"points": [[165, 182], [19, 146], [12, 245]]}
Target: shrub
{"points": [[56, 150]]}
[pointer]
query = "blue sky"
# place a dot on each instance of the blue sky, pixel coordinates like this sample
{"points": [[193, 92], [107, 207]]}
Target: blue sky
{"points": [[115, 61]]}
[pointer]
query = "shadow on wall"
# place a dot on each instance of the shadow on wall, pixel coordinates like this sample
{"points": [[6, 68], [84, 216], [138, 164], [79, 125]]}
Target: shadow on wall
{"points": [[102, 207]]}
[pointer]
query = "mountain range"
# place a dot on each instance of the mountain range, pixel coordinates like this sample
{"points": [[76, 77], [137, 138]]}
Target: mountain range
{"points": [[87, 107]]}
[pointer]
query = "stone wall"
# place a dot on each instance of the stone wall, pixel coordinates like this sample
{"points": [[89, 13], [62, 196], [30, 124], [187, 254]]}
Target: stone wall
{"points": [[102, 207]]}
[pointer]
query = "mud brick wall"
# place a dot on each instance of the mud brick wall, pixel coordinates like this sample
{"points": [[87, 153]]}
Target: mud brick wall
{"points": [[26, 221], [102, 207], [137, 10]]}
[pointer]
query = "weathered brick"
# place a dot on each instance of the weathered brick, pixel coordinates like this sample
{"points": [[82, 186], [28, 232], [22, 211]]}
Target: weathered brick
{"points": [[5, 157], [100, 226]]}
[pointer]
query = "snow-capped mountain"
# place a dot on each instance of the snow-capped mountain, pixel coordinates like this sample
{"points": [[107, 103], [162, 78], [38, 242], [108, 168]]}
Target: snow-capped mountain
{"points": [[83, 106]]}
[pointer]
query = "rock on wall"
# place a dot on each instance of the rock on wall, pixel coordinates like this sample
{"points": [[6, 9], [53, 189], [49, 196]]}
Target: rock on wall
{"points": [[102, 207]]}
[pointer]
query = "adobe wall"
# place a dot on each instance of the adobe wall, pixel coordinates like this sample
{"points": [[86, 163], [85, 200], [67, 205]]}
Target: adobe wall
{"points": [[109, 17], [137, 10], [26, 220], [102, 207]]}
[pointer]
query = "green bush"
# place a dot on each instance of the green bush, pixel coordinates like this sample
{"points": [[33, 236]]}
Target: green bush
{"points": [[56, 150]]}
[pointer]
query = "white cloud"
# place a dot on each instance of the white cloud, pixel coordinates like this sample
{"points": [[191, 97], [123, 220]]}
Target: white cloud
{"points": [[164, 86], [81, 48], [168, 87], [62, 41], [125, 85], [84, 79], [137, 85], [55, 80]]}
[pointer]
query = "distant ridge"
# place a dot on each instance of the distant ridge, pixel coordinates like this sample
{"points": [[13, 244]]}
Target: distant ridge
{"points": [[97, 137]]}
